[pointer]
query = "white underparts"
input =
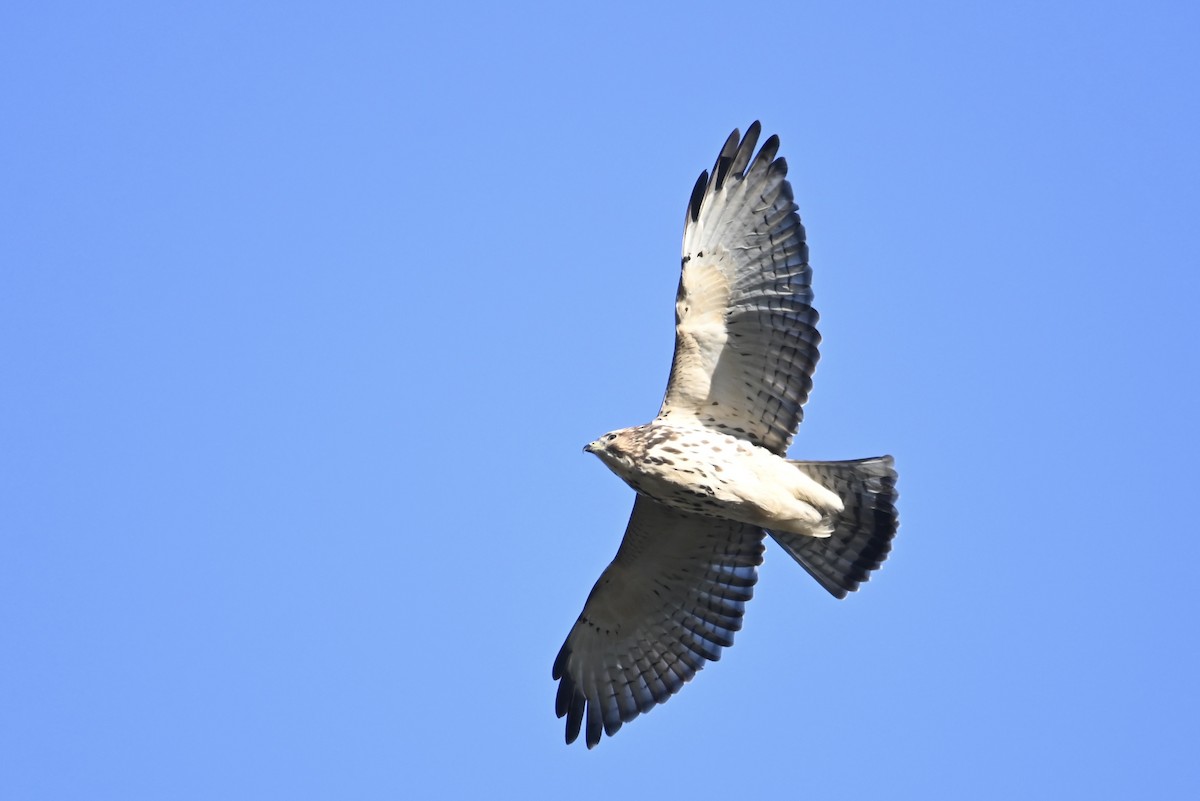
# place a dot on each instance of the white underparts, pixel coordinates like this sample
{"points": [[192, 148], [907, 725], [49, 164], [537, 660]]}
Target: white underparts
{"points": [[699, 470]]}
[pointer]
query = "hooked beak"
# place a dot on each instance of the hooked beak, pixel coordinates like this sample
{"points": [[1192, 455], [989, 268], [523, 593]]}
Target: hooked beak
{"points": [[590, 447]]}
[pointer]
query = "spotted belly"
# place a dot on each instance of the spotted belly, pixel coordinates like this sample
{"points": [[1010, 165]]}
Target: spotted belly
{"points": [[699, 497]]}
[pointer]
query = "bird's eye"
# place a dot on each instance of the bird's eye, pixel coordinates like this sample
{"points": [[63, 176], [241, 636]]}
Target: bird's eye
{"points": [[610, 437]]}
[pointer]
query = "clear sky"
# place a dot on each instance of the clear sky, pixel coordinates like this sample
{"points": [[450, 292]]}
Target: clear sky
{"points": [[307, 310]]}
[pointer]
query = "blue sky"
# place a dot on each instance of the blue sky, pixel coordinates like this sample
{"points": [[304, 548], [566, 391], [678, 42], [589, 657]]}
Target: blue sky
{"points": [[307, 310]]}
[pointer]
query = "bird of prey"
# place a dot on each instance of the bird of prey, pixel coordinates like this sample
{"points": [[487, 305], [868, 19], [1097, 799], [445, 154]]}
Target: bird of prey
{"points": [[711, 471]]}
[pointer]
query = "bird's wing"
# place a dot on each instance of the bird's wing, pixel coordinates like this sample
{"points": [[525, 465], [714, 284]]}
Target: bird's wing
{"points": [[671, 600], [745, 330]]}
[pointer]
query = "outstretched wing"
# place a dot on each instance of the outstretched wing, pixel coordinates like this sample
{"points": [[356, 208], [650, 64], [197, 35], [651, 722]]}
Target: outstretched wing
{"points": [[745, 330], [670, 601]]}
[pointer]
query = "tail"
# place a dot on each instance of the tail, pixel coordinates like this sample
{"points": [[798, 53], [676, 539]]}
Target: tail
{"points": [[862, 533]]}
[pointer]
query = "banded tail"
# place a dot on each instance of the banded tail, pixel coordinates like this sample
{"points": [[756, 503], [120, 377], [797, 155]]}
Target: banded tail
{"points": [[862, 533]]}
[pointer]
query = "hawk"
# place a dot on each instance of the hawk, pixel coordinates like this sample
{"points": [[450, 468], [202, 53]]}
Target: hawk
{"points": [[711, 471]]}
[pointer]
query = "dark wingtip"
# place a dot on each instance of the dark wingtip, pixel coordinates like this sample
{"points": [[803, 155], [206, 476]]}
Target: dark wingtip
{"points": [[766, 154], [560, 663], [574, 714], [697, 196], [728, 152], [569, 701], [728, 149], [595, 726], [736, 154]]}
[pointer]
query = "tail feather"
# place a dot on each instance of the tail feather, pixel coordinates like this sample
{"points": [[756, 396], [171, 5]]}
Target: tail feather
{"points": [[862, 533]]}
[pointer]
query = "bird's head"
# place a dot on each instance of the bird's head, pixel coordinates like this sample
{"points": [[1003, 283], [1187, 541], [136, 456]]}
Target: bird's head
{"points": [[602, 445], [614, 449]]}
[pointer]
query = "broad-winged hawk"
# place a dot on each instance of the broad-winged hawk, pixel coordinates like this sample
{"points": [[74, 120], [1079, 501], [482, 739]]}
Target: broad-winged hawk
{"points": [[711, 470]]}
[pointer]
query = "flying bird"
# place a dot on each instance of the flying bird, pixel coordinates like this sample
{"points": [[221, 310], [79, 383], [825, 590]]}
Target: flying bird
{"points": [[711, 471]]}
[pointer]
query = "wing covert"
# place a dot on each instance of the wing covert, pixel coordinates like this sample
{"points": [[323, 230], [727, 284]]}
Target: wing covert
{"points": [[671, 599], [746, 339]]}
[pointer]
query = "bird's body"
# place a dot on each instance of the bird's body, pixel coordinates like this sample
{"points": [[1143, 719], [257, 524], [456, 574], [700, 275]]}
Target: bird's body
{"points": [[711, 471], [706, 472]]}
